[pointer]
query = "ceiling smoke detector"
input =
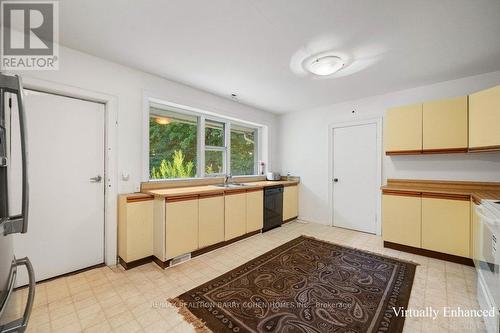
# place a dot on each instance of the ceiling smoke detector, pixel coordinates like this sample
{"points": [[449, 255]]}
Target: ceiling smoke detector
{"points": [[324, 65]]}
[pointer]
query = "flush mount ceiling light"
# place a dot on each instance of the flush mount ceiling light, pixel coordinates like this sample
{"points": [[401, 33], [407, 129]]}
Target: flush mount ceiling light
{"points": [[162, 120], [324, 65]]}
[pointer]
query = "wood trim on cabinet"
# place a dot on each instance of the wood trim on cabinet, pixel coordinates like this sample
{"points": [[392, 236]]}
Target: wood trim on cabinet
{"points": [[430, 151], [291, 184], [222, 244], [166, 264], [445, 151], [289, 220], [402, 193], [182, 198], [235, 191], [162, 264], [139, 198], [449, 196], [476, 200], [135, 263], [430, 253], [403, 152], [485, 148], [255, 189], [448, 184], [211, 195]]}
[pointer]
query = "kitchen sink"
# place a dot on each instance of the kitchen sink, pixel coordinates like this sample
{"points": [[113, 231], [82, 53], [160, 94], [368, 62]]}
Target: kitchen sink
{"points": [[231, 185]]}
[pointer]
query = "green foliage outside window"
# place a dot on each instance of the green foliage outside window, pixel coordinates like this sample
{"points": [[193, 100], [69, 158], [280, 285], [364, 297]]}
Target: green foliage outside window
{"points": [[243, 152], [172, 150], [214, 134], [173, 147], [173, 169]]}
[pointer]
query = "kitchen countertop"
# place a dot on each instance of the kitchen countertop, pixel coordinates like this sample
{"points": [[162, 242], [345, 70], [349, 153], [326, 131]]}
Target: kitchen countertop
{"points": [[212, 189], [476, 190]]}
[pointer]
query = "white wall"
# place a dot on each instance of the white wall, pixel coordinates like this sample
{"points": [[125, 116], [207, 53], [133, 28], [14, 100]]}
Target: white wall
{"points": [[304, 144], [83, 71]]}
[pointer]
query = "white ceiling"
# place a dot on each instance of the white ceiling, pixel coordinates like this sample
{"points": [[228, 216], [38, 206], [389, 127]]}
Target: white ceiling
{"points": [[255, 48]]}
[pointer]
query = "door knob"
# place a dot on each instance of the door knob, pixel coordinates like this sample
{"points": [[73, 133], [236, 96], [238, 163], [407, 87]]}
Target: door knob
{"points": [[96, 179], [335, 180]]}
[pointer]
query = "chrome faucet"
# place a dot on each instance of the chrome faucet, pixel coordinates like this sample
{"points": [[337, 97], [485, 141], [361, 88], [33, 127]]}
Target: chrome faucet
{"points": [[227, 177]]}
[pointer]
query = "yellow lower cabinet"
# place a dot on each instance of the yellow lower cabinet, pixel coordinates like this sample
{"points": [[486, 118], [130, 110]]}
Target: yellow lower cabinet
{"points": [[234, 215], [255, 210], [135, 228], [211, 220], [181, 227], [290, 202], [401, 219], [446, 226]]}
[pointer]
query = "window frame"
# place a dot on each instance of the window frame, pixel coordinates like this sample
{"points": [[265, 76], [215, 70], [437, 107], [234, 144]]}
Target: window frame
{"points": [[257, 146], [224, 148], [202, 117]]}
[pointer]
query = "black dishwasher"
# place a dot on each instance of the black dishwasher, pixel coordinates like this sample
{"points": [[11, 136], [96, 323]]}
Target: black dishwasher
{"points": [[273, 207]]}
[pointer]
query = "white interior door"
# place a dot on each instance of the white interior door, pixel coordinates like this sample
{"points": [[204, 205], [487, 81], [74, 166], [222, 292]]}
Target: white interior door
{"points": [[355, 172], [66, 211]]}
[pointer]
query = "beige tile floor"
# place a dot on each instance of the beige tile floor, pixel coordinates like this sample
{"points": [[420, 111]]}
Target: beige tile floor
{"points": [[110, 299]]}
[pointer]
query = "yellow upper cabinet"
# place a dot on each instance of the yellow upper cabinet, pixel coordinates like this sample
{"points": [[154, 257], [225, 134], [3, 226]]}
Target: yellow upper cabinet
{"points": [[403, 130], [445, 125], [484, 119]]}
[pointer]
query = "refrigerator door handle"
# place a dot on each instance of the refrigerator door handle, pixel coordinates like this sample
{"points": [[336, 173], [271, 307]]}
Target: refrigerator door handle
{"points": [[20, 325], [19, 223], [24, 153]]}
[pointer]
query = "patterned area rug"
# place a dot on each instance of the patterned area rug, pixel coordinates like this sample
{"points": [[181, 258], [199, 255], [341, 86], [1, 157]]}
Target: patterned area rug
{"points": [[305, 285]]}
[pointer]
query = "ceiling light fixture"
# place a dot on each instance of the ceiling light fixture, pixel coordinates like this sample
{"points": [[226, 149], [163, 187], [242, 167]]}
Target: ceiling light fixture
{"points": [[162, 120], [325, 65]]}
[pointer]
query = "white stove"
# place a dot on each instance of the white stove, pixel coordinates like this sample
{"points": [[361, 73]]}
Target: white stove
{"points": [[493, 206]]}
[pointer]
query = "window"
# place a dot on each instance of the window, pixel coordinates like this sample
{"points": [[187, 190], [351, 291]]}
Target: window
{"points": [[185, 144], [215, 148], [243, 151], [172, 144]]}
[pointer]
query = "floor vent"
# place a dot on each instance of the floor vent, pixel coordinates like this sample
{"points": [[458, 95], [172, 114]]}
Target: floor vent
{"points": [[179, 259]]}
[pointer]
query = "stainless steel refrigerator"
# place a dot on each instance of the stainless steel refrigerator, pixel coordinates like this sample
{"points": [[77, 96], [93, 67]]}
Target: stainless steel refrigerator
{"points": [[17, 222]]}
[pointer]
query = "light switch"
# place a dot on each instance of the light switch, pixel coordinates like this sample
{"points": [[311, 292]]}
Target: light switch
{"points": [[125, 176]]}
